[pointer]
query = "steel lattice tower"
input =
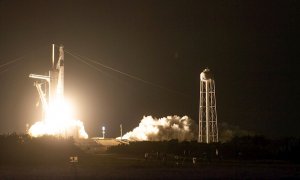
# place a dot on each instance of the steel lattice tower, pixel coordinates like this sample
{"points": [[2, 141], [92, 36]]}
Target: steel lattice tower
{"points": [[208, 127]]}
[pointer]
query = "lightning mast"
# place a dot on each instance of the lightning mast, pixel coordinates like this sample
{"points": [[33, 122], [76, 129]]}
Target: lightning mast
{"points": [[208, 127]]}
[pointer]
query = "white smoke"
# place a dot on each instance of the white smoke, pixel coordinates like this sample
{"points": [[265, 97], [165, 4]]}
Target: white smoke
{"points": [[70, 128], [163, 129], [59, 122]]}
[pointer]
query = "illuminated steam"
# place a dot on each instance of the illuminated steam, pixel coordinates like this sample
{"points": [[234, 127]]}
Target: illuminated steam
{"points": [[163, 129], [59, 122]]}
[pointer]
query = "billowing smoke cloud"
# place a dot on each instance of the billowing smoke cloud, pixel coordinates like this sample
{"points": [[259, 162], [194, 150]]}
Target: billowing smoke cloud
{"points": [[70, 128], [166, 128], [59, 122]]}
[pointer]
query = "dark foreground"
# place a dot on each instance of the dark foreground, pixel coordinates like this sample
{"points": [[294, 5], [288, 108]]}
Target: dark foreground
{"points": [[112, 166], [23, 157]]}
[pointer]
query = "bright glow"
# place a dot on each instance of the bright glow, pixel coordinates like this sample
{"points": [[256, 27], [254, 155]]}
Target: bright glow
{"points": [[166, 128], [59, 122]]}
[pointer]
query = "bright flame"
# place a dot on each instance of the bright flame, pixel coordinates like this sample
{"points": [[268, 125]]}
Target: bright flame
{"points": [[59, 122]]}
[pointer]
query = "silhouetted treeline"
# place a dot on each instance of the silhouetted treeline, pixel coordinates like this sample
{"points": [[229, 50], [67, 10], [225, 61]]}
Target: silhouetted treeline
{"points": [[239, 148], [23, 149]]}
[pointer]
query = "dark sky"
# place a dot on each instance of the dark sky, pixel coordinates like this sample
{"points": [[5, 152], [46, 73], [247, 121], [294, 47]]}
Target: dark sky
{"points": [[249, 45]]}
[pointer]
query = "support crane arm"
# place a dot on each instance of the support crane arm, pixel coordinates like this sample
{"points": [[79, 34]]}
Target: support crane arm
{"points": [[42, 95]]}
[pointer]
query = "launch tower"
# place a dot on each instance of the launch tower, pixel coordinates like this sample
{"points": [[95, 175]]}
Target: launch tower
{"points": [[53, 83]]}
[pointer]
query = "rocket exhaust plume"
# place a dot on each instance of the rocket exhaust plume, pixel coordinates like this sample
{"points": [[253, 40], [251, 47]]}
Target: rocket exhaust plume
{"points": [[58, 120], [163, 129]]}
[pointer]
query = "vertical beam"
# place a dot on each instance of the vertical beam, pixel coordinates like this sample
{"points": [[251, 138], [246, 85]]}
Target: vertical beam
{"points": [[215, 110], [207, 111], [200, 135], [211, 112]]}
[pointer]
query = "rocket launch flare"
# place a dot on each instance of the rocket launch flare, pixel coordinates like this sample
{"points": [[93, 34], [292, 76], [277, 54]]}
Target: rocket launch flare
{"points": [[58, 120]]}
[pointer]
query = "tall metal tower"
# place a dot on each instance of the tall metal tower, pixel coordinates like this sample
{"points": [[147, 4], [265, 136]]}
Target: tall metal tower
{"points": [[208, 127], [55, 80]]}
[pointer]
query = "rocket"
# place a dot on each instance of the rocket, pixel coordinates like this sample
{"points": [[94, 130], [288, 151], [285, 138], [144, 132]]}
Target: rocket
{"points": [[54, 86], [56, 74]]}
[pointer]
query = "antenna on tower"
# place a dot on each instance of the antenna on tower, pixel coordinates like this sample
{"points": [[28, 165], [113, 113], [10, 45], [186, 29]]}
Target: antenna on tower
{"points": [[208, 127]]}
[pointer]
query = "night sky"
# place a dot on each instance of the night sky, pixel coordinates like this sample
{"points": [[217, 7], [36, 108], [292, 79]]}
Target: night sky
{"points": [[250, 46]]}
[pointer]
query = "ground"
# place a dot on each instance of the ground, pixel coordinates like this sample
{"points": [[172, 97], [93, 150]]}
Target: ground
{"points": [[113, 166]]}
